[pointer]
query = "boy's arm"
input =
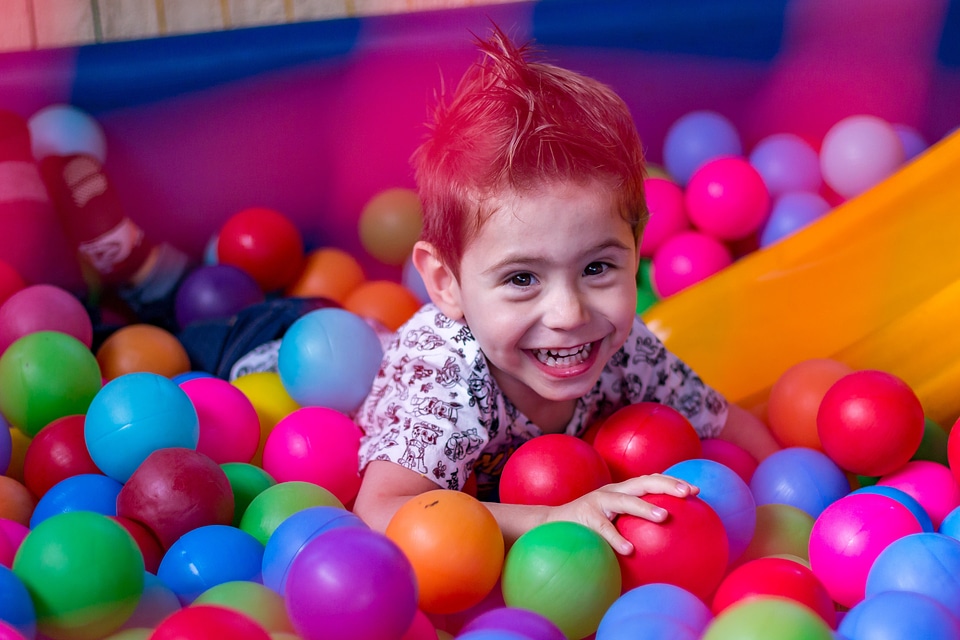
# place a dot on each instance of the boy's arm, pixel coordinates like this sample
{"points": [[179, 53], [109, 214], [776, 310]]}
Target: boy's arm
{"points": [[747, 431]]}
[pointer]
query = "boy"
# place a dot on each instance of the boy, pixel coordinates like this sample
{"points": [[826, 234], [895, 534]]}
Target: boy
{"points": [[532, 188]]}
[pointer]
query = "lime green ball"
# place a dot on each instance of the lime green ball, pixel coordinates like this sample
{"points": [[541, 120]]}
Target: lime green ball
{"points": [[261, 603], [760, 618], [277, 503], [565, 572], [933, 446], [84, 573], [46, 375], [247, 481]]}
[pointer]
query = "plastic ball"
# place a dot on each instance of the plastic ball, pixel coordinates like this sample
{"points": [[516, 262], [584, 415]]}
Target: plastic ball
{"points": [[927, 563], [43, 307], [645, 438], [695, 138], [339, 579], [63, 130], [215, 292], [649, 626], [685, 259], [319, 445], [329, 358], [135, 415], [291, 535], [727, 494], [277, 503], [668, 214], [791, 212], [176, 490], [84, 492], [731, 455], [904, 498], [10, 281], [912, 140], [929, 483], [795, 399], [727, 198], [328, 272], [270, 400], [260, 603], [781, 530], [689, 549], [265, 244], [84, 573], [156, 603], [389, 303], [455, 546], [247, 482], [46, 375], [57, 452], [552, 469], [16, 605], [935, 444], [142, 348], [16, 501], [658, 598], [390, 224], [566, 573], [849, 535], [529, 624], [148, 544], [207, 556], [229, 429], [781, 577], [870, 422], [6, 445], [787, 163], [766, 617], [858, 152], [208, 622], [899, 615], [953, 451], [801, 477]]}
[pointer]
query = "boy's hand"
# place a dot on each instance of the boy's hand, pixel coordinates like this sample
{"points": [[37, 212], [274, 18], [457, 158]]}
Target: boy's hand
{"points": [[599, 508]]}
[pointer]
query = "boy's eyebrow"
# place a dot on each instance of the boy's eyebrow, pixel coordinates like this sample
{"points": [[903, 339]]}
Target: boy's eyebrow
{"points": [[526, 259]]}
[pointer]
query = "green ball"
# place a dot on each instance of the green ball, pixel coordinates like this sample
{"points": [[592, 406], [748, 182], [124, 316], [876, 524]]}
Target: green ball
{"points": [[264, 605], [84, 573], [247, 481], [277, 503], [759, 618], [565, 572], [46, 375], [933, 446]]}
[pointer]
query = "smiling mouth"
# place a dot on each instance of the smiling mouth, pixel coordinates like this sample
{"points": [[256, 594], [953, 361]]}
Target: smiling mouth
{"points": [[563, 357]]}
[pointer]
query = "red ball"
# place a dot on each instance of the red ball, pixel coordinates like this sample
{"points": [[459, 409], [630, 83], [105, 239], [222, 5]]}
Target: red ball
{"points": [[730, 455], [148, 544], [645, 438], [264, 243], [208, 622], [689, 549], [56, 453], [552, 469], [870, 422], [773, 576], [953, 450], [176, 490]]}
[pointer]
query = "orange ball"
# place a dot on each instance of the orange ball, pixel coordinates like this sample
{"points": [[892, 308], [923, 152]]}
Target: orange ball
{"points": [[388, 302], [142, 347], [327, 272], [455, 546], [16, 501], [795, 399], [390, 225]]}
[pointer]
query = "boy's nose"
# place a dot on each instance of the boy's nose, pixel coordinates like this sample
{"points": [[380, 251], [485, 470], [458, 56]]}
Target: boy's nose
{"points": [[565, 309]]}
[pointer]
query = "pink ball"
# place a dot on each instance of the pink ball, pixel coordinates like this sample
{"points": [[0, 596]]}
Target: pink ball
{"points": [[848, 536], [730, 455], [43, 307], [668, 214], [929, 483], [727, 198], [859, 152], [229, 425], [318, 445], [685, 259]]}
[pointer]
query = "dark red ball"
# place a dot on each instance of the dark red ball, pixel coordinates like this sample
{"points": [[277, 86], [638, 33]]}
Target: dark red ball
{"points": [[552, 469], [56, 453]]}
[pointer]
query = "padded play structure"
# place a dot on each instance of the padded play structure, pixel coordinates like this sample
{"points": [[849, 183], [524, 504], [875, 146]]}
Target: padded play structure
{"points": [[313, 119]]}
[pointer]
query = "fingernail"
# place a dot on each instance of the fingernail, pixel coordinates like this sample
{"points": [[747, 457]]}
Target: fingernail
{"points": [[659, 513]]}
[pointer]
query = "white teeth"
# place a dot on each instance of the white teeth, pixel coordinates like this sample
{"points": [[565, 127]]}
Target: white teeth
{"points": [[563, 357]]}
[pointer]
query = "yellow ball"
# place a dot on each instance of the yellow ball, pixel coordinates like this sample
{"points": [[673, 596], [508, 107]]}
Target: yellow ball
{"points": [[390, 225], [271, 401]]}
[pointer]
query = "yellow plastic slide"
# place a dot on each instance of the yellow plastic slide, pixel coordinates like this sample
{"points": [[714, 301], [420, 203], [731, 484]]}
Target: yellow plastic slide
{"points": [[875, 284]]}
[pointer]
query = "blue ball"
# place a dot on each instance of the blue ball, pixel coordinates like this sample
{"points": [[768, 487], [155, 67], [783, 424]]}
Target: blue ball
{"points": [[16, 605], [294, 533], [725, 491], [786, 162], [800, 477], [790, 213], [950, 525], [899, 615], [695, 138], [649, 626], [208, 556], [654, 599], [6, 445], [924, 563], [134, 415], [329, 358], [82, 492], [180, 378], [63, 130], [905, 499], [215, 292]]}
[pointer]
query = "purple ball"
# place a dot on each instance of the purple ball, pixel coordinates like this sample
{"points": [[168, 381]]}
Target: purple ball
{"points": [[215, 292], [524, 622]]}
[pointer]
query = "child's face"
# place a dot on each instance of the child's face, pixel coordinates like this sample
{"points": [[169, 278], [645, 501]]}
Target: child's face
{"points": [[548, 289]]}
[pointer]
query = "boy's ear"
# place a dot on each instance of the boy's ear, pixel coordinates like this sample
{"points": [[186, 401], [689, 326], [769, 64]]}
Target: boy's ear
{"points": [[438, 279]]}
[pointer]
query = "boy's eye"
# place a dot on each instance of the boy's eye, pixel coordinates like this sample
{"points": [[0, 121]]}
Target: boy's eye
{"points": [[521, 279], [595, 268]]}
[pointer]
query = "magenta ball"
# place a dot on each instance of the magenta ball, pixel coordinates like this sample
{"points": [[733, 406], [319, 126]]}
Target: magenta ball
{"points": [[787, 162], [929, 483], [351, 583], [727, 198], [229, 425], [668, 214], [858, 153], [527, 623], [686, 259], [318, 445], [849, 535], [43, 307], [214, 292]]}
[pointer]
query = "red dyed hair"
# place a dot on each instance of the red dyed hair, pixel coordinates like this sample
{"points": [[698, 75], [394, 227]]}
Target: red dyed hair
{"points": [[519, 124]]}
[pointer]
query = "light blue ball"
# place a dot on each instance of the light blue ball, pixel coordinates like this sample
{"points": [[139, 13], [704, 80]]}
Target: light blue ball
{"points": [[800, 477], [329, 358], [925, 563], [899, 615], [790, 213], [63, 130], [695, 138], [654, 599], [82, 492], [134, 415]]}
